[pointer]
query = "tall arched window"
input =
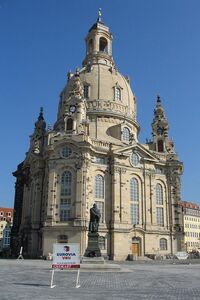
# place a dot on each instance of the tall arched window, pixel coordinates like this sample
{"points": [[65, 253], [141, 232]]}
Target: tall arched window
{"points": [[160, 146], [134, 197], [90, 46], [65, 196], [134, 189], [99, 194], [70, 124], [118, 94], [159, 194], [126, 134], [163, 244], [99, 186], [159, 205], [103, 45]]}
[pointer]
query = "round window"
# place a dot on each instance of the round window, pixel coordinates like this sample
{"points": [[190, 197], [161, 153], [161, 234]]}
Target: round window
{"points": [[66, 151], [134, 159]]}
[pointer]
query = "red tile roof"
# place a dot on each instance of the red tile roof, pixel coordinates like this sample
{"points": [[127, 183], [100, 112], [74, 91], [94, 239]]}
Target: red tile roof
{"points": [[189, 205]]}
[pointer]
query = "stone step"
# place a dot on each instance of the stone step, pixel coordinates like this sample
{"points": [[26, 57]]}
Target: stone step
{"points": [[92, 260], [100, 267]]}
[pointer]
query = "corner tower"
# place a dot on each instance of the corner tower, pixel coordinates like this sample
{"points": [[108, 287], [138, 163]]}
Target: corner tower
{"points": [[160, 128]]}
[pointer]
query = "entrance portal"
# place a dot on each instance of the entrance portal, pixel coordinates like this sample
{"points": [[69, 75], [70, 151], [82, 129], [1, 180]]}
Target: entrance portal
{"points": [[136, 246]]}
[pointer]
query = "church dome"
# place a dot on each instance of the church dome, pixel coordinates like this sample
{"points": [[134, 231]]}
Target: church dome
{"points": [[106, 90], [107, 93]]}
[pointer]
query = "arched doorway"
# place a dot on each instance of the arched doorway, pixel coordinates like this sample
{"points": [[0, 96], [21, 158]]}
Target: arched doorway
{"points": [[136, 246]]}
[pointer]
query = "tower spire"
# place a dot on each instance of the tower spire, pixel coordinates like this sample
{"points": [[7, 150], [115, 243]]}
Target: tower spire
{"points": [[40, 124], [99, 15], [160, 127]]}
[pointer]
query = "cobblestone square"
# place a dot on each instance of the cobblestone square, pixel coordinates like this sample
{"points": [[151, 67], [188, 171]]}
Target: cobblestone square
{"points": [[28, 279]]}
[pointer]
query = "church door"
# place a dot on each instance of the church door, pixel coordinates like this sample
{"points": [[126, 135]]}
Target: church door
{"points": [[135, 249], [136, 242]]}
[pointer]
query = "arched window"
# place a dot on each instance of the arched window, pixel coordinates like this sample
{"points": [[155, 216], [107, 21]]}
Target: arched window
{"points": [[70, 124], [99, 195], [134, 190], [118, 95], [86, 91], [66, 182], [65, 196], [160, 216], [90, 46], [66, 152], [134, 159], [125, 134], [99, 187], [159, 194], [163, 244], [134, 197], [103, 45], [160, 146]]}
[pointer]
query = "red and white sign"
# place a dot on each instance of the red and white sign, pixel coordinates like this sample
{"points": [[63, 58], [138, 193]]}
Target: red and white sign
{"points": [[66, 256]]}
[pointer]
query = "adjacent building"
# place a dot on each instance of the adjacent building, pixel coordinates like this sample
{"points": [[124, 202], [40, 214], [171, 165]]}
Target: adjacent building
{"points": [[93, 154], [191, 222], [6, 221]]}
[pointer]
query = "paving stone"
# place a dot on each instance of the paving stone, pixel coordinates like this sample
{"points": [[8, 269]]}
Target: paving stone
{"points": [[30, 279]]}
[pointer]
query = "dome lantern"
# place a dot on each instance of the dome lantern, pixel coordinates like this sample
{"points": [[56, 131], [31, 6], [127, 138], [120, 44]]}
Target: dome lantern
{"points": [[99, 44]]}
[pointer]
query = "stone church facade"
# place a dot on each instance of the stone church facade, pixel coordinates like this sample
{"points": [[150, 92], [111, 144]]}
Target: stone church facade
{"points": [[92, 155]]}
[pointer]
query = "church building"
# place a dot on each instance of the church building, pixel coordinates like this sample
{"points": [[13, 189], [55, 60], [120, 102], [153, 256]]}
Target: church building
{"points": [[93, 155]]}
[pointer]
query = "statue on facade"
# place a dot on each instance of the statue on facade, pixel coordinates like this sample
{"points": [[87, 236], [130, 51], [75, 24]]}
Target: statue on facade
{"points": [[94, 219], [76, 87]]}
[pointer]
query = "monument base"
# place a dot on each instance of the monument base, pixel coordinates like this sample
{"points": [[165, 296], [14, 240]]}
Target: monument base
{"points": [[93, 260], [93, 249]]}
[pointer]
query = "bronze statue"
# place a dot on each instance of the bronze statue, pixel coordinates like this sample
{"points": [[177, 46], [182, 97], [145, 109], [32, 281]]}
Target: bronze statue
{"points": [[94, 218]]}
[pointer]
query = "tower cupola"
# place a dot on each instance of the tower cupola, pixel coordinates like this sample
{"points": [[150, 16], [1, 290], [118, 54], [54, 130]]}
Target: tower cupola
{"points": [[99, 44]]}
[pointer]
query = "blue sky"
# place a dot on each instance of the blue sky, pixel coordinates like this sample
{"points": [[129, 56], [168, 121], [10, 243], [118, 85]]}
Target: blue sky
{"points": [[156, 43]]}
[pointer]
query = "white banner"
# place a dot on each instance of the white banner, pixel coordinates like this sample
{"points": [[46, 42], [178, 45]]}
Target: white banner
{"points": [[66, 256]]}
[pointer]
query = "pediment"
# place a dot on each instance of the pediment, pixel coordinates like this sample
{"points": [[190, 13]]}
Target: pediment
{"points": [[137, 148]]}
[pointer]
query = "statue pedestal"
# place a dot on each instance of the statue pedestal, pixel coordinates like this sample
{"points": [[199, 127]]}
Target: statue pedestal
{"points": [[93, 249]]}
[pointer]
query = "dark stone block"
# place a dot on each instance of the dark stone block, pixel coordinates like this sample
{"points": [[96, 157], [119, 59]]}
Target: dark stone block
{"points": [[93, 249]]}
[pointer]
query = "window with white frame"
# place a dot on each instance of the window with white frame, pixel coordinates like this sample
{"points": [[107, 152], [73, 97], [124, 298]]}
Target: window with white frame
{"points": [[134, 197], [160, 216], [159, 194], [163, 244], [125, 134], [65, 196], [118, 93]]}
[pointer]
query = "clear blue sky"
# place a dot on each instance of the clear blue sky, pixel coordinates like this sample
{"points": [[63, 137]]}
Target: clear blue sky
{"points": [[156, 43]]}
